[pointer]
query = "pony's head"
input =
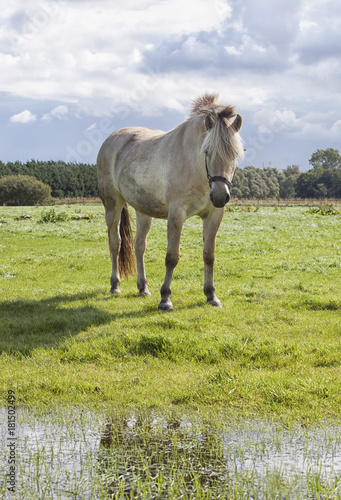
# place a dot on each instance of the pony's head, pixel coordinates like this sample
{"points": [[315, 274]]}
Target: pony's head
{"points": [[221, 146]]}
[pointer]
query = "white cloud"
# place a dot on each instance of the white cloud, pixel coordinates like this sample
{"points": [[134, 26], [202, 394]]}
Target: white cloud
{"points": [[23, 117], [86, 52], [277, 120], [59, 112], [336, 129], [94, 55], [148, 58], [92, 127]]}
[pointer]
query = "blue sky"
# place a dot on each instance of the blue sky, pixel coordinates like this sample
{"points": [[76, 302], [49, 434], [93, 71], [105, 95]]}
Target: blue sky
{"points": [[73, 71]]}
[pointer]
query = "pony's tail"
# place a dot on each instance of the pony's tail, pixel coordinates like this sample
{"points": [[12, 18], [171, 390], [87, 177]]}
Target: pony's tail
{"points": [[126, 261]]}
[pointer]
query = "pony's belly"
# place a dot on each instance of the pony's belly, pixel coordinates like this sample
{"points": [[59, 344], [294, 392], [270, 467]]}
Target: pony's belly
{"points": [[147, 204], [154, 211], [143, 191]]}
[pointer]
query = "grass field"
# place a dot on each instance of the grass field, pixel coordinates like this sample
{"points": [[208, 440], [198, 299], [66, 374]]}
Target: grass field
{"points": [[272, 350]]}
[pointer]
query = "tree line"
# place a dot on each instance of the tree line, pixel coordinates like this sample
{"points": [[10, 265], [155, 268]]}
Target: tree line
{"points": [[323, 180], [70, 180]]}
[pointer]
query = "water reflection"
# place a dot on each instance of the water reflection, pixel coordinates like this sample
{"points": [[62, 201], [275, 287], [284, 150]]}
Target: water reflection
{"points": [[158, 457], [81, 454]]}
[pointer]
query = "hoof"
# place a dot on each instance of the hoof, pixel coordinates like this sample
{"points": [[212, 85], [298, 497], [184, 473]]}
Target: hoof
{"points": [[165, 306], [215, 302], [144, 293]]}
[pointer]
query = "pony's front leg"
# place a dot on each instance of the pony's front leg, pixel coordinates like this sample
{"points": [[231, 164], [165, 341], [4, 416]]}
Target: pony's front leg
{"points": [[143, 225], [210, 228], [174, 226]]}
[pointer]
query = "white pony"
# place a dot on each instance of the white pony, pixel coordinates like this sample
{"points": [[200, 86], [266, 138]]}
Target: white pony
{"points": [[169, 175]]}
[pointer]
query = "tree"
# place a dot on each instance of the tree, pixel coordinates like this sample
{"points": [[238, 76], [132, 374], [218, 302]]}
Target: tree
{"points": [[288, 181], [324, 179], [271, 179], [64, 179], [240, 187], [291, 170], [326, 159], [23, 190], [251, 182]]}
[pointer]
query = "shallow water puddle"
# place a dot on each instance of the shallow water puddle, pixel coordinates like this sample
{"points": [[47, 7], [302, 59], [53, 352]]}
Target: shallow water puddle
{"points": [[82, 454]]}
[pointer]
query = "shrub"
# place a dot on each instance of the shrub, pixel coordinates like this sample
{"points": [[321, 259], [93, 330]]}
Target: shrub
{"points": [[324, 209], [23, 217], [88, 217], [22, 190], [52, 216]]}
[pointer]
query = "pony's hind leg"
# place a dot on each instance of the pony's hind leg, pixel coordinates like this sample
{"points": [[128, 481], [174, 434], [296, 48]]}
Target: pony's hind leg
{"points": [[143, 225], [113, 209]]}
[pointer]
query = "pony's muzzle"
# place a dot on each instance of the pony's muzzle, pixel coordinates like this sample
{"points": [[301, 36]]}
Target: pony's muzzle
{"points": [[219, 195]]}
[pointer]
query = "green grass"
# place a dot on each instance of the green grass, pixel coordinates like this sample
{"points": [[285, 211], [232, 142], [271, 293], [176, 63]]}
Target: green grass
{"points": [[272, 350]]}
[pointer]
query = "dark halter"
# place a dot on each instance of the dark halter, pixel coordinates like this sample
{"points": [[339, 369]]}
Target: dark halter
{"points": [[216, 178]]}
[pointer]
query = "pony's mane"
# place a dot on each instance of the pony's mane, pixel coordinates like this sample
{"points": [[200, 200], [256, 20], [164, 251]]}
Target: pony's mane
{"points": [[221, 139], [207, 104]]}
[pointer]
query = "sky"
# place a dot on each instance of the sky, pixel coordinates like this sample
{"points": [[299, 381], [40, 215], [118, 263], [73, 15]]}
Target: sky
{"points": [[73, 71]]}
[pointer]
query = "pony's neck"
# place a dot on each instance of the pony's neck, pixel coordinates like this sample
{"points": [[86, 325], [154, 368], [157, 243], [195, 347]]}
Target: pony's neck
{"points": [[197, 129]]}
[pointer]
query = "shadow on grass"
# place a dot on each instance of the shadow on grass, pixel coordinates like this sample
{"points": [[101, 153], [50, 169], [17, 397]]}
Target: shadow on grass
{"points": [[318, 304], [28, 324]]}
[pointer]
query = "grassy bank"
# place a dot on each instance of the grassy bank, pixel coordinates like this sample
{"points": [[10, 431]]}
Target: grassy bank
{"points": [[272, 350]]}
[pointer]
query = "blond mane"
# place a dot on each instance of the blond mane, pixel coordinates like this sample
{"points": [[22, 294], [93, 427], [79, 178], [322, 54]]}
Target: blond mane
{"points": [[221, 138]]}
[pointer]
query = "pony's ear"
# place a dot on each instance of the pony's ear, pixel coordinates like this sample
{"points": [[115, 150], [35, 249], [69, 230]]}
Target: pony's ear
{"points": [[209, 121], [237, 124]]}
